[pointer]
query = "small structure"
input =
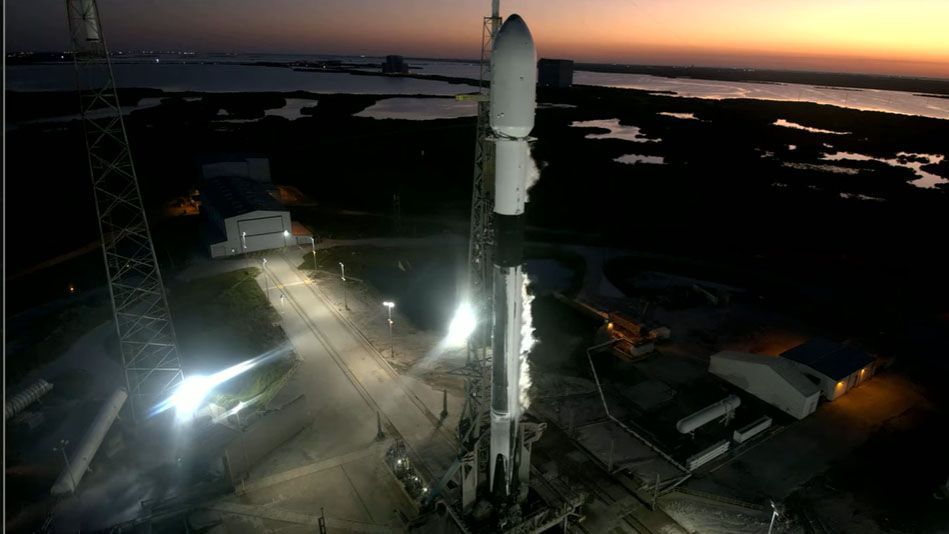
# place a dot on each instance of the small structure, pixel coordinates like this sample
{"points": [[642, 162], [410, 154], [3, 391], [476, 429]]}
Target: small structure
{"points": [[834, 367], [707, 455], [395, 65], [243, 217], [773, 380], [751, 430], [241, 205], [661, 332], [554, 73]]}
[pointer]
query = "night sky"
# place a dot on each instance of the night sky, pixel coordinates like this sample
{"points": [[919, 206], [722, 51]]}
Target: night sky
{"points": [[882, 36]]}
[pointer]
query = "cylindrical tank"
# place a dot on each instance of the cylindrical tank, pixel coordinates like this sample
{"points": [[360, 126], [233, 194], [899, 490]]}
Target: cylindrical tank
{"points": [[708, 414], [25, 398], [80, 460]]}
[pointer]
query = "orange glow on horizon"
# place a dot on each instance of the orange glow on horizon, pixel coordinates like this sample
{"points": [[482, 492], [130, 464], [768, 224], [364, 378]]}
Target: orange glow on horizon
{"points": [[883, 36], [898, 37]]}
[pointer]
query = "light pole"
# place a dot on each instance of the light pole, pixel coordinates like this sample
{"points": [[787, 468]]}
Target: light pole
{"points": [[342, 276], [244, 241], [75, 489], [240, 406], [286, 235], [313, 247], [389, 305], [62, 448], [774, 515], [263, 267]]}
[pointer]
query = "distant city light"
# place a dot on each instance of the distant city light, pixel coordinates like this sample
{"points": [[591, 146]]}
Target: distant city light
{"points": [[462, 325]]}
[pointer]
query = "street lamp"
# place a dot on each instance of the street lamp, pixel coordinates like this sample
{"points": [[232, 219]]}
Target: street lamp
{"points": [[774, 515], [342, 276], [389, 305], [240, 406], [263, 266], [244, 241], [313, 247]]}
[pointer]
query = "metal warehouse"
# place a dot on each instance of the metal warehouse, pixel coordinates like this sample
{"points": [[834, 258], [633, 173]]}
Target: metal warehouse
{"points": [[773, 380], [243, 217]]}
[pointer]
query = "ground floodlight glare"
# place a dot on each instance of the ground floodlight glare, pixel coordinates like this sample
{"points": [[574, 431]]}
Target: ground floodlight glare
{"points": [[462, 324], [190, 394]]}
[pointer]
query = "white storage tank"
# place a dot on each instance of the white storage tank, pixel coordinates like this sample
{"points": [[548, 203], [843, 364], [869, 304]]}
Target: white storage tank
{"points": [[69, 480], [708, 414]]}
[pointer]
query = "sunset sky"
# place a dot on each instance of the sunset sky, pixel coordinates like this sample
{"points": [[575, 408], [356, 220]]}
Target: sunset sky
{"points": [[880, 36]]}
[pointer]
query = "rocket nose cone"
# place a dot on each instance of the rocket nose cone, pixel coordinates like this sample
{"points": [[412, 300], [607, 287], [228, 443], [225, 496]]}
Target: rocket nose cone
{"points": [[513, 79], [514, 33]]}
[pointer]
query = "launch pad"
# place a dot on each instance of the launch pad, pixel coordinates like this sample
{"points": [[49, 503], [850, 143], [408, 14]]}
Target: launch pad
{"points": [[492, 485]]}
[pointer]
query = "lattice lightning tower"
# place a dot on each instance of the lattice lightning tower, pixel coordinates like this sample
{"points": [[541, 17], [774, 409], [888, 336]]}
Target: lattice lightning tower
{"points": [[140, 309]]}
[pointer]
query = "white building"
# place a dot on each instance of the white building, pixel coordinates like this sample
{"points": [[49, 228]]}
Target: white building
{"points": [[243, 217], [773, 380], [836, 368]]}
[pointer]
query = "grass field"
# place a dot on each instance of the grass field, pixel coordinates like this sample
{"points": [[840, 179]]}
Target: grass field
{"points": [[223, 320]]}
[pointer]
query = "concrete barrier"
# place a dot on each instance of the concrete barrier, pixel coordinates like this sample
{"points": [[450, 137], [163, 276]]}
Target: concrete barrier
{"points": [[263, 436]]}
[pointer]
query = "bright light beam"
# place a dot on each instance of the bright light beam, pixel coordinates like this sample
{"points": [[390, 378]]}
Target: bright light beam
{"points": [[190, 394], [462, 325], [194, 390]]}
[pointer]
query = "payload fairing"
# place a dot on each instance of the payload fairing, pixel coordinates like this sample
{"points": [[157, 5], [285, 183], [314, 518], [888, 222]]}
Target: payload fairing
{"points": [[513, 95]]}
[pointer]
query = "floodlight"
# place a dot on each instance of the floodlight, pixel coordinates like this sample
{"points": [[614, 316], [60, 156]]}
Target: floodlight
{"points": [[190, 394], [462, 325]]}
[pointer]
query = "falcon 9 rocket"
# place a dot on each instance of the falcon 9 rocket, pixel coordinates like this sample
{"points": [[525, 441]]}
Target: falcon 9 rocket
{"points": [[513, 93]]}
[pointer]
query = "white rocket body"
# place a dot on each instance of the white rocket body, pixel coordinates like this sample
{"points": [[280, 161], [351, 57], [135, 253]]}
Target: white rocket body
{"points": [[513, 92]]}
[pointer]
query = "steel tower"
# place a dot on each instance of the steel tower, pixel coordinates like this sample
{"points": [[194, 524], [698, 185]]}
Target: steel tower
{"points": [[474, 417], [140, 309]]}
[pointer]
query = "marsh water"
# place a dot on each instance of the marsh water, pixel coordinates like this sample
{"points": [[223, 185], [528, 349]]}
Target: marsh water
{"points": [[234, 74]]}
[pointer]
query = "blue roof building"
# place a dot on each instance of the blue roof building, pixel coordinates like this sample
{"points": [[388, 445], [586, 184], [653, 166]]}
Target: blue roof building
{"points": [[834, 367]]}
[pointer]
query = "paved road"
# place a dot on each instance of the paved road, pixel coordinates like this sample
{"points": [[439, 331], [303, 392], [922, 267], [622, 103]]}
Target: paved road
{"points": [[380, 387], [336, 463]]}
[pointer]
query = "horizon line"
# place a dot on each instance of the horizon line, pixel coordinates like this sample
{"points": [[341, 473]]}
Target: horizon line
{"points": [[473, 60]]}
